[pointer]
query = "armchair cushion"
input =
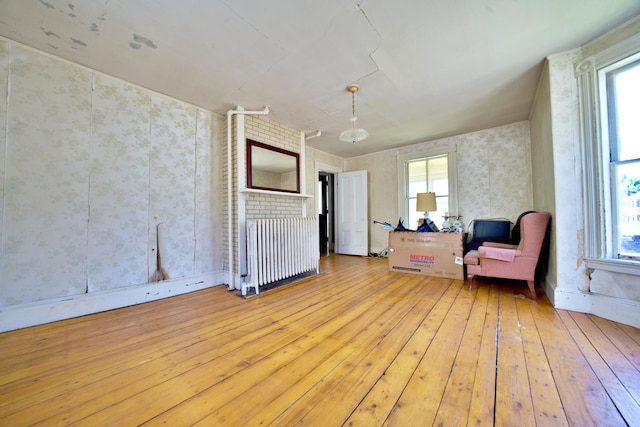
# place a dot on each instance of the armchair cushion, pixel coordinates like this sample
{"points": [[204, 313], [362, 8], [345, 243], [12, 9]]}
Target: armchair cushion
{"points": [[472, 258], [500, 254]]}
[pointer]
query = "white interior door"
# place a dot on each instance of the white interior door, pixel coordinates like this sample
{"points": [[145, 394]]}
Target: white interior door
{"points": [[353, 221]]}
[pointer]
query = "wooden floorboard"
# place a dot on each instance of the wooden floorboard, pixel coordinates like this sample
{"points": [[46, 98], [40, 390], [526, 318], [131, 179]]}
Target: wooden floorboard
{"points": [[547, 404], [356, 345]]}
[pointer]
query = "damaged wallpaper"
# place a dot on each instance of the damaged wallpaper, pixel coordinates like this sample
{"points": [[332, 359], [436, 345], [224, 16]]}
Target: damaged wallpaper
{"points": [[94, 166]]}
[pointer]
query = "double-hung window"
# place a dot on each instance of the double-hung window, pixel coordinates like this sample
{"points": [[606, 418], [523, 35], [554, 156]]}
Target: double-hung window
{"points": [[623, 116], [422, 173], [609, 89]]}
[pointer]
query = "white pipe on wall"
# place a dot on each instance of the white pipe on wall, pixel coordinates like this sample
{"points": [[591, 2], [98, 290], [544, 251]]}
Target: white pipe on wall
{"points": [[315, 134], [230, 113]]}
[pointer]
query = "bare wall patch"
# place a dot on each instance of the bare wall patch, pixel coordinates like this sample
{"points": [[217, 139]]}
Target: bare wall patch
{"points": [[135, 46], [76, 41], [48, 5], [49, 33], [144, 41]]}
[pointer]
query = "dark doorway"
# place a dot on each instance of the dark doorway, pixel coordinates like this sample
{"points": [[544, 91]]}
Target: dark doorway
{"points": [[325, 211]]}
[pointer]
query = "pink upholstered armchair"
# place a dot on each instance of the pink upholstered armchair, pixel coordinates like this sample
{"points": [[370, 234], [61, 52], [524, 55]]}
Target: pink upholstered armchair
{"points": [[516, 262]]}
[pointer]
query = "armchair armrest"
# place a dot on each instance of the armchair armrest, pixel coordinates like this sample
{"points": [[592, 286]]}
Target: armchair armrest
{"points": [[499, 245], [500, 254]]}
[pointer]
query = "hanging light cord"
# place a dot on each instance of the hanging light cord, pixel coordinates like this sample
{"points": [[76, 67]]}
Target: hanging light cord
{"points": [[353, 106], [354, 134]]}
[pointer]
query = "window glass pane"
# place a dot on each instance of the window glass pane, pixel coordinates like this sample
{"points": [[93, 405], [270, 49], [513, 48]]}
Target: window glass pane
{"points": [[627, 93], [439, 184], [437, 169], [417, 172], [427, 175], [628, 184]]}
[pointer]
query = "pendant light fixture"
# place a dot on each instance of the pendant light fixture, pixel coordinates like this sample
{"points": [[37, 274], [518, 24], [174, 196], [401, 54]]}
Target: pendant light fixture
{"points": [[354, 134]]}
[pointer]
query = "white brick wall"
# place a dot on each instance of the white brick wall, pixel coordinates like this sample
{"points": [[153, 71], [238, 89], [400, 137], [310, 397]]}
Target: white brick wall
{"points": [[272, 133], [277, 205], [260, 206]]}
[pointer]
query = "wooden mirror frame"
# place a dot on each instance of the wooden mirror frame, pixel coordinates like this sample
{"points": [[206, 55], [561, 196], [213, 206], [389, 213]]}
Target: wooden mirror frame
{"points": [[250, 145]]}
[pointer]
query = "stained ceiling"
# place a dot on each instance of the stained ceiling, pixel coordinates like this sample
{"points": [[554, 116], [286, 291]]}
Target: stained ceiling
{"points": [[427, 69]]}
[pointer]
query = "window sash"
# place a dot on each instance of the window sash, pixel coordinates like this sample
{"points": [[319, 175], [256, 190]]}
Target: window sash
{"points": [[594, 135], [451, 202], [423, 176], [621, 162]]}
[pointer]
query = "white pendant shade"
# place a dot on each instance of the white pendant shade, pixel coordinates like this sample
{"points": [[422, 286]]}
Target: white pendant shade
{"points": [[354, 134]]}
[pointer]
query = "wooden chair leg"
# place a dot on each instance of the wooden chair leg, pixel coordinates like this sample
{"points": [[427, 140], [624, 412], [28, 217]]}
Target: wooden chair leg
{"points": [[532, 288]]}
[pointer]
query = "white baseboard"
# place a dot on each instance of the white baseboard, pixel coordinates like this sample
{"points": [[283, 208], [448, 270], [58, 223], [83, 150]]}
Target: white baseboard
{"points": [[616, 309], [22, 316]]}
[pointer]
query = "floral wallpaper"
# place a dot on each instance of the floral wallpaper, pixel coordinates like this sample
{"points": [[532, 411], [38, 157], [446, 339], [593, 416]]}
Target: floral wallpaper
{"points": [[172, 190], [119, 196], [209, 192], [4, 81], [46, 179], [566, 171], [494, 172], [93, 164]]}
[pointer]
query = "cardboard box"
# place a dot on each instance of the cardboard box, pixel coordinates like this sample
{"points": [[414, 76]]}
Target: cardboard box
{"points": [[429, 254]]}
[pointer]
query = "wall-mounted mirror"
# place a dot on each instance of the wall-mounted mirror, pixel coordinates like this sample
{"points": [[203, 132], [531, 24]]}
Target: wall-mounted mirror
{"points": [[272, 168]]}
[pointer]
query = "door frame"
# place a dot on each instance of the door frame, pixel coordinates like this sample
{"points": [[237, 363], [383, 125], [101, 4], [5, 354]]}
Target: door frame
{"points": [[332, 170], [343, 224], [330, 210]]}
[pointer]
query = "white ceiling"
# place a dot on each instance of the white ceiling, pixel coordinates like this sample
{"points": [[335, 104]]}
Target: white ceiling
{"points": [[426, 68]]}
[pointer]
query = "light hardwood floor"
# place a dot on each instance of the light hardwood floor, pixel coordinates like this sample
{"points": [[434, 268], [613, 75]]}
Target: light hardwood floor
{"points": [[356, 345]]}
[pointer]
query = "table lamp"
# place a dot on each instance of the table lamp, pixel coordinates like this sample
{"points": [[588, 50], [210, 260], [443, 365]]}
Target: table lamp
{"points": [[426, 203]]}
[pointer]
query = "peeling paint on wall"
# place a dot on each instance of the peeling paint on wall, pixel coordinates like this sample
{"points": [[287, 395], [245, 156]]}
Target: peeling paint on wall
{"points": [[49, 33], [76, 41], [144, 41], [47, 5]]}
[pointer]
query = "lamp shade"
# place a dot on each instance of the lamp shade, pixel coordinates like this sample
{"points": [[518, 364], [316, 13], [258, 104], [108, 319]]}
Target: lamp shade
{"points": [[426, 202], [354, 135]]}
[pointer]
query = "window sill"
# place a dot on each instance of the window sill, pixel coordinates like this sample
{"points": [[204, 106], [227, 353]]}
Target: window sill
{"points": [[614, 265]]}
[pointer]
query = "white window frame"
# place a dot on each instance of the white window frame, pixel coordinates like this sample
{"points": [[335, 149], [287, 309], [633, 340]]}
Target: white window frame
{"points": [[452, 177], [597, 200]]}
